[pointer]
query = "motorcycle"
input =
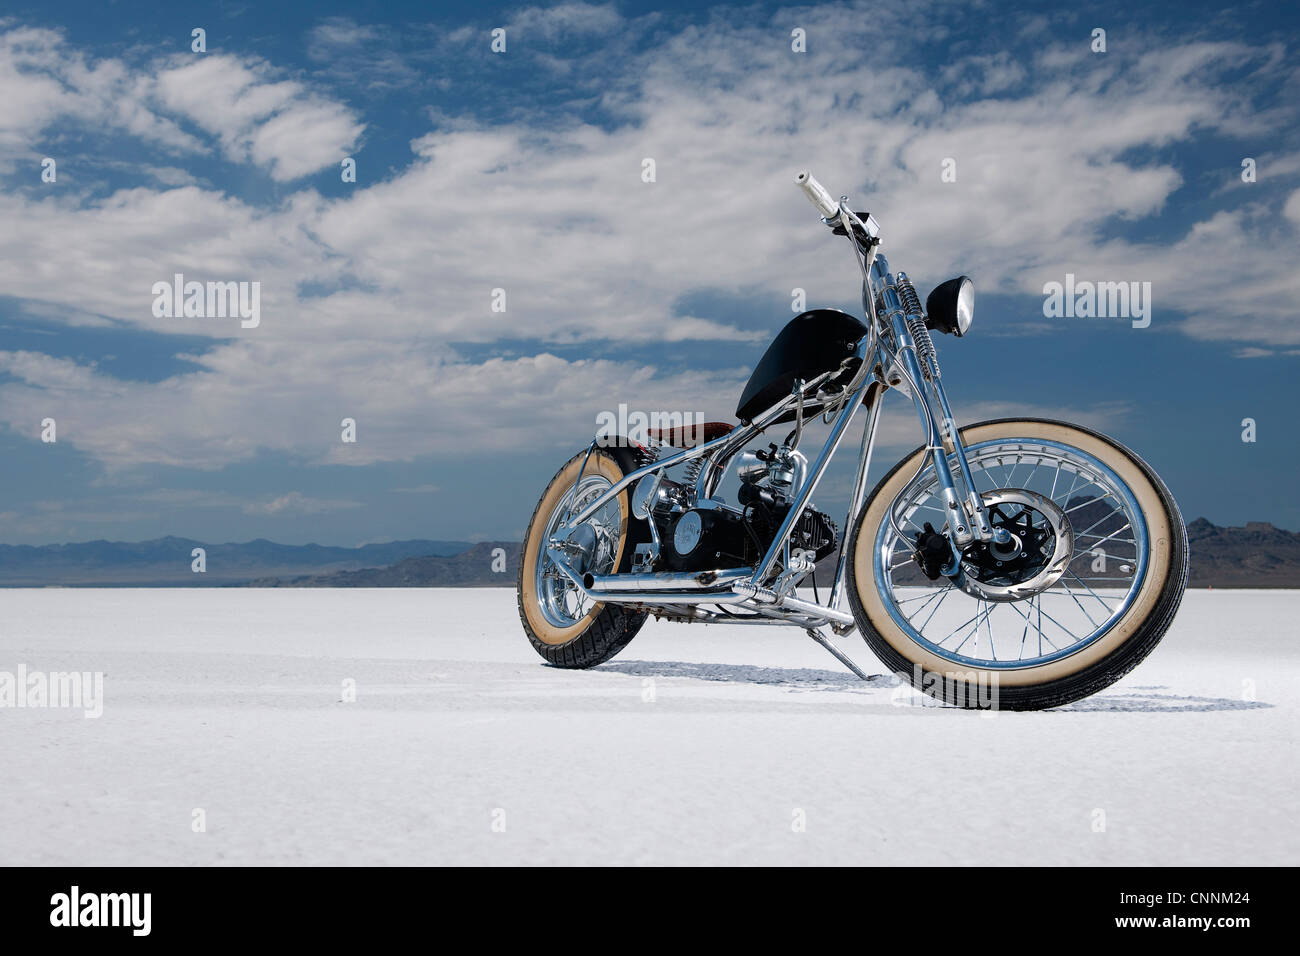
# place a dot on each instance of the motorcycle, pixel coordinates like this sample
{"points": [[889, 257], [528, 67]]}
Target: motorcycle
{"points": [[1014, 563]]}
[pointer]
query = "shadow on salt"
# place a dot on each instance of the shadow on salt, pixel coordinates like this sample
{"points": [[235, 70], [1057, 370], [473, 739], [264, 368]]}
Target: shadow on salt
{"points": [[1146, 700]]}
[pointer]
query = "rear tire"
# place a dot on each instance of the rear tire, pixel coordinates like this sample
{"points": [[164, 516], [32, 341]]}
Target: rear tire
{"points": [[605, 629]]}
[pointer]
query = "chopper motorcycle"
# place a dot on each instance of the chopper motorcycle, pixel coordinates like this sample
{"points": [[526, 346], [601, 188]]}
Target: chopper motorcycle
{"points": [[1013, 563]]}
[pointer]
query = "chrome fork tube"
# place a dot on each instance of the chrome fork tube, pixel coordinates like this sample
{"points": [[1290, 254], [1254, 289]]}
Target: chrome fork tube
{"points": [[975, 504], [961, 535]]}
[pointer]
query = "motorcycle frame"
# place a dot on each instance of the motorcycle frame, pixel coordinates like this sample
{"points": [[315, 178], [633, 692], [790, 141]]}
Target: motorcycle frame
{"points": [[887, 357]]}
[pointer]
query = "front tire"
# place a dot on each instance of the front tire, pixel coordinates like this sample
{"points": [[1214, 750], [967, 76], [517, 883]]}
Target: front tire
{"points": [[563, 631], [1124, 620]]}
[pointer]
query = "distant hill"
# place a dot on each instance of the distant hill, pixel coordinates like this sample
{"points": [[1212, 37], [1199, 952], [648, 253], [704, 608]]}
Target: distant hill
{"points": [[1255, 556], [472, 568], [165, 562]]}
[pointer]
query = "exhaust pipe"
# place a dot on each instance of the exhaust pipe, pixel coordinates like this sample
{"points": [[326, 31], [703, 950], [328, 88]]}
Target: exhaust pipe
{"points": [[613, 584], [731, 586]]}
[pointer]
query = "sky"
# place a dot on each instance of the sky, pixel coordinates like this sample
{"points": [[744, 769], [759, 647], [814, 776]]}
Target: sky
{"points": [[989, 139]]}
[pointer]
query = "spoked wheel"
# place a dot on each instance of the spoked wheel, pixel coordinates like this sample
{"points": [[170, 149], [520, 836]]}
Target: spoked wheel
{"points": [[1085, 586], [562, 624]]}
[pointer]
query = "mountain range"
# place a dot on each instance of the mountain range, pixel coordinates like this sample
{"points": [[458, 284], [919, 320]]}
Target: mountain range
{"points": [[1256, 555], [168, 562]]}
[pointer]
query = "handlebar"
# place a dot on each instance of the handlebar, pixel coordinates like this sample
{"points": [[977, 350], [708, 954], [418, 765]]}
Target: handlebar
{"points": [[818, 195], [861, 226]]}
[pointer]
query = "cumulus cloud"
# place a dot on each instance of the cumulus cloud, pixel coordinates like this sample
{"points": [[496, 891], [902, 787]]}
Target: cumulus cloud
{"points": [[256, 117], [46, 82], [413, 402], [183, 104]]}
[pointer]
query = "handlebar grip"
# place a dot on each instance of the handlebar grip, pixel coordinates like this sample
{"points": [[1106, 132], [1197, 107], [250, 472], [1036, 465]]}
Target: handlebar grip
{"points": [[818, 195]]}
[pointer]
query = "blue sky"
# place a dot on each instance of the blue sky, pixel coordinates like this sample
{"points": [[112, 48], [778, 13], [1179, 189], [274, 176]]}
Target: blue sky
{"points": [[522, 171]]}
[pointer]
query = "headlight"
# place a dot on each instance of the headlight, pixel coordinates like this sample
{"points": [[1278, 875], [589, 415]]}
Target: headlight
{"points": [[951, 306]]}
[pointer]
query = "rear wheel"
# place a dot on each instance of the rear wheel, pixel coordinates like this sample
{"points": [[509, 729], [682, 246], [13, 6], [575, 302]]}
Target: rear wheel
{"points": [[562, 624], [1088, 585]]}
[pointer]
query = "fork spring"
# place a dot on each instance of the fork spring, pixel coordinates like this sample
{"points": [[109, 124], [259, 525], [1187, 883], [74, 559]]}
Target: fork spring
{"points": [[915, 318]]}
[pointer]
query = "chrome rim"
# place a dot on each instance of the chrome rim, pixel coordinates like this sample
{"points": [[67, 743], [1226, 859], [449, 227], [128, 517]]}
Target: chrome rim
{"points": [[1102, 576], [562, 603]]}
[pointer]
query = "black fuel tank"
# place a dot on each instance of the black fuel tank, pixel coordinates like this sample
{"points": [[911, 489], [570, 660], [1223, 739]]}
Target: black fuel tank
{"points": [[810, 344]]}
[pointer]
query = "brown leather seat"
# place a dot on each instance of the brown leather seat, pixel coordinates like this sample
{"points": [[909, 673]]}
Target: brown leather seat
{"points": [[688, 436]]}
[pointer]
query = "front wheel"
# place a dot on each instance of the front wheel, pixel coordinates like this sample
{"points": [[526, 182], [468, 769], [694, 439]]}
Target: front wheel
{"points": [[1085, 588]]}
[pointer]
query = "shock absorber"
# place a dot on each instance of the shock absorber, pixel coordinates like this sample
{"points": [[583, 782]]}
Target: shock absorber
{"points": [[914, 315], [691, 474]]}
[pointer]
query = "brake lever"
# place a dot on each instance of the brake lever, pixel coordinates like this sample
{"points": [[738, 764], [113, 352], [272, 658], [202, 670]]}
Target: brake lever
{"points": [[860, 232]]}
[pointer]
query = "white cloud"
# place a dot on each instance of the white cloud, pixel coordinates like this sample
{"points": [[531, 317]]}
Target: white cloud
{"points": [[558, 216], [45, 82], [377, 57], [414, 402], [338, 33], [272, 122], [564, 20], [253, 114], [295, 502], [1292, 208]]}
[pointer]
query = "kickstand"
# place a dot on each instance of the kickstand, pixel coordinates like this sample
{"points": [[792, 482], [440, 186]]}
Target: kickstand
{"points": [[835, 652]]}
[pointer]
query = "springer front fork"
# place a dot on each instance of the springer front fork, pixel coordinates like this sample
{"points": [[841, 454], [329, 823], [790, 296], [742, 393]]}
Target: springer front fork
{"points": [[900, 307]]}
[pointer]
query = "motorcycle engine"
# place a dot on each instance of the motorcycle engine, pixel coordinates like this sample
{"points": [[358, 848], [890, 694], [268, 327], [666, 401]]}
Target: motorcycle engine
{"points": [[768, 482], [707, 535], [703, 539]]}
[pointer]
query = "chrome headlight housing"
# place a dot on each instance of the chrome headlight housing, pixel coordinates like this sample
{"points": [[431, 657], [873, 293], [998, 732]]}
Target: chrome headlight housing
{"points": [[951, 306]]}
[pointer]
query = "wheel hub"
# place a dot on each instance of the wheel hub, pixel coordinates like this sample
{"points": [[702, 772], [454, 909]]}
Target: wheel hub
{"points": [[1036, 554], [581, 545]]}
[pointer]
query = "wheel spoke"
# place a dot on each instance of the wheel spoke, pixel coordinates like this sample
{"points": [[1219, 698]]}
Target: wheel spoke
{"points": [[1043, 614], [934, 609], [1080, 603], [1090, 590], [1109, 536]]}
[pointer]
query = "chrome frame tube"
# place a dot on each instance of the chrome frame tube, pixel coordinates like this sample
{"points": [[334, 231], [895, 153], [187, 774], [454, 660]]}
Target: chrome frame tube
{"points": [[722, 448], [874, 399], [851, 403], [686, 454]]}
